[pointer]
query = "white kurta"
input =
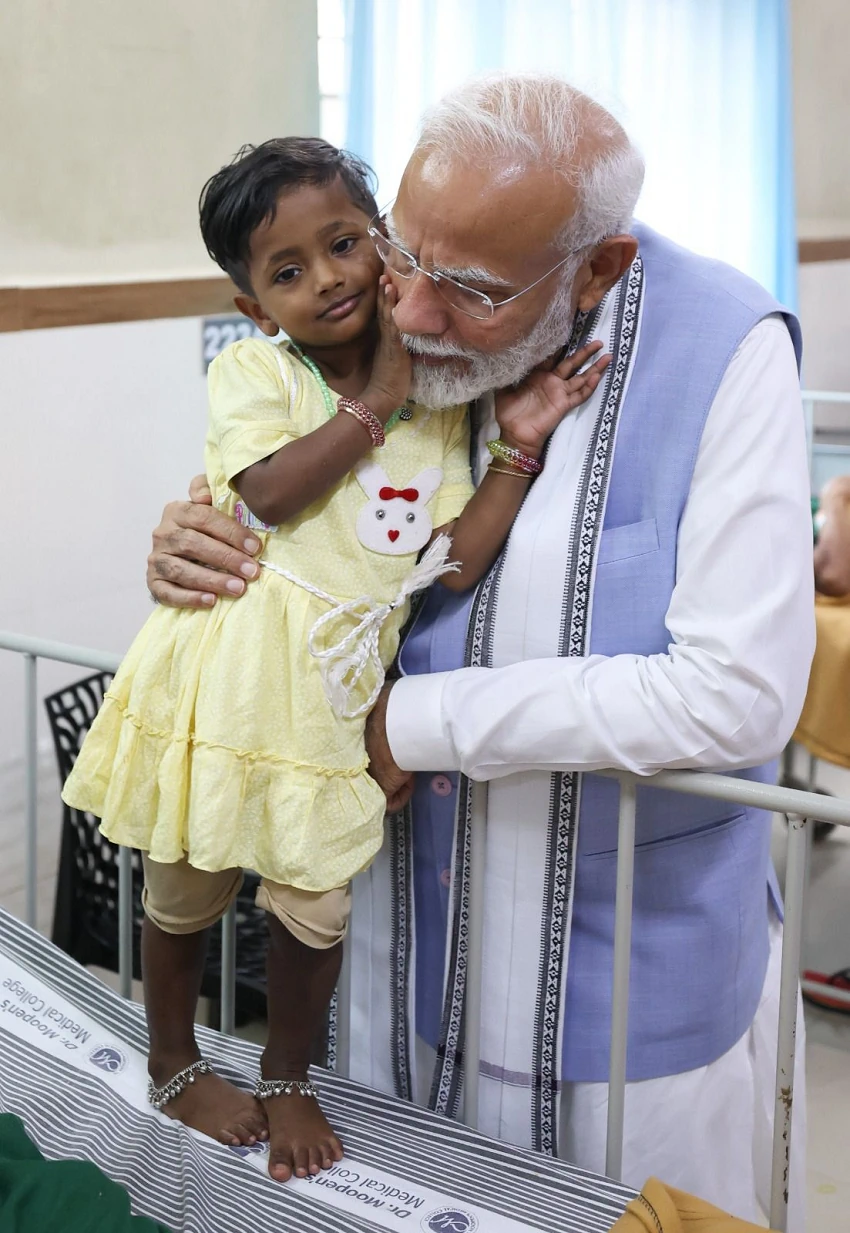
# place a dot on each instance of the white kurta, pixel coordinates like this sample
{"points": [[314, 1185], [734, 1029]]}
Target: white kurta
{"points": [[723, 698]]}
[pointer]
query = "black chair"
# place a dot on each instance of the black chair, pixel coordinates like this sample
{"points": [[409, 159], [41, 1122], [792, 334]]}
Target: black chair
{"points": [[85, 919]]}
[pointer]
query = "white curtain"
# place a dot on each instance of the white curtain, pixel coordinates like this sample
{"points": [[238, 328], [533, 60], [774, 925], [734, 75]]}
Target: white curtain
{"points": [[702, 86]]}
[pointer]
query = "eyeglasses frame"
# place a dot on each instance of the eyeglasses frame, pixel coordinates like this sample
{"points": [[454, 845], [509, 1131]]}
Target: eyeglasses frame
{"points": [[375, 234]]}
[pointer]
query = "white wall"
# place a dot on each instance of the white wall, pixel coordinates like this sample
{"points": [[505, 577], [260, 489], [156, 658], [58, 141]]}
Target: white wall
{"points": [[824, 289], [820, 46], [115, 112], [114, 115], [101, 425]]}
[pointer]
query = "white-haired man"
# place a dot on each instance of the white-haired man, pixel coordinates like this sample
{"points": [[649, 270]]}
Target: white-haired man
{"points": [[653, 608]]}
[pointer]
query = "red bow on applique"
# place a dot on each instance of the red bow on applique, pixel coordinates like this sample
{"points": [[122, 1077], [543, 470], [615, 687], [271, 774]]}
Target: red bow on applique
{"points": [[406, 494]]}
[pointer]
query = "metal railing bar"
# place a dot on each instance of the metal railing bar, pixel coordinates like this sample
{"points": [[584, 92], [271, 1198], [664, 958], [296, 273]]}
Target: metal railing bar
{"points": [[125, 922], [343, 1013], [63, 652], [786, 1046], [825, 396], [227, 1022], [31, 746], [620, 993], [812, 773], [744, 792], [475, 955]]}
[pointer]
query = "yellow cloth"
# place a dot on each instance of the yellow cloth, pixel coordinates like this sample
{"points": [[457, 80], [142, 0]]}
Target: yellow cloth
{"points": [[216, 739], [661, 1209], [824, 726]]}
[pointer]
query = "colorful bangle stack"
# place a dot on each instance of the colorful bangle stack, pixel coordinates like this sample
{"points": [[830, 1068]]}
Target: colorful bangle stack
{"points": [[365, 416], [515, 458]]}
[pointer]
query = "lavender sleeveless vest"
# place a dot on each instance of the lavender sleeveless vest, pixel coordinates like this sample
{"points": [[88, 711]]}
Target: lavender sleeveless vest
{"points": [[702, 869]]}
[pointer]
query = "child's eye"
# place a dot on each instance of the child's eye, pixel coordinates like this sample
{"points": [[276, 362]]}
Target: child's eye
{"points": [[345, 245], [287, 274]]}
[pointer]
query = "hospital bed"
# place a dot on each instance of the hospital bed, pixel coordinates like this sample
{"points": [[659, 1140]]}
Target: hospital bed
{"points": [[72, 1067]]}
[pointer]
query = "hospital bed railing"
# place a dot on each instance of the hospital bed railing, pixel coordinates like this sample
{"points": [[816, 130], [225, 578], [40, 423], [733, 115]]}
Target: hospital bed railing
{"points": [[800, 808]]}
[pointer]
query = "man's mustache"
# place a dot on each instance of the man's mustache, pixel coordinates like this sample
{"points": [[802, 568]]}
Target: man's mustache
{"points": [[437, 348]]}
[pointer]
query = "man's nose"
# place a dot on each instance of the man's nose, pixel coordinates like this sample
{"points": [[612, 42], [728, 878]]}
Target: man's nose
{"points": [[420, 308]]}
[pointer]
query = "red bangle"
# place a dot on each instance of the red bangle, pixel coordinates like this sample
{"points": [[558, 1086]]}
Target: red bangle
{"points": [[365, 416]]}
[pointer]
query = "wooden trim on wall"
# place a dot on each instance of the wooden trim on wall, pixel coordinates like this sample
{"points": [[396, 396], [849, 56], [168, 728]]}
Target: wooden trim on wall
{"points": [[835, 249], [41, 308]]}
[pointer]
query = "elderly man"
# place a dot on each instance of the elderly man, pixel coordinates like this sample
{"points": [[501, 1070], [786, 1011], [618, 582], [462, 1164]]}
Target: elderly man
{"points": [[653, 608]]}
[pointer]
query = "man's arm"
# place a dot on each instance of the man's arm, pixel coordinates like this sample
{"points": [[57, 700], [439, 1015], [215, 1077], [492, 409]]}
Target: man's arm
{"points": [[199, 553], [730, 688]]}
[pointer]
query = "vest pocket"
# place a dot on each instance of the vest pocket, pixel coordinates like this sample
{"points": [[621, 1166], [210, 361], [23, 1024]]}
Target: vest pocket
{"points": [[634, 539]]}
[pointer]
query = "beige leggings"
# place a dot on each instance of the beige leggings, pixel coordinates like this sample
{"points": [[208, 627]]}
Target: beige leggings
{"points": [[181, 899]]}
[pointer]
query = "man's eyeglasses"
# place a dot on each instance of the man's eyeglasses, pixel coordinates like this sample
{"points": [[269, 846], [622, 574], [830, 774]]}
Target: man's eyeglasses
{"points": [[465, 299]]}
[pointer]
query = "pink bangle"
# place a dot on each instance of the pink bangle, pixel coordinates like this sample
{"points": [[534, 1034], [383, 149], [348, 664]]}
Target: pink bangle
{"points": [[515, 458], [365, 416]]}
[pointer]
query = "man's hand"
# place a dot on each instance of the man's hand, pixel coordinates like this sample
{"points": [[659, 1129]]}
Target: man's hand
{"points": [[396, 784], [199, 553]]}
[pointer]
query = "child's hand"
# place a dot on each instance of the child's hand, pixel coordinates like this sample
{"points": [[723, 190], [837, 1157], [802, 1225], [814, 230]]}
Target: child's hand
{"points": [[389, 384], [529, 414]]}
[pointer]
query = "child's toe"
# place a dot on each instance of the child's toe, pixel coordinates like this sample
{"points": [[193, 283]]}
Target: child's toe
{"points": [[280, 1165]]}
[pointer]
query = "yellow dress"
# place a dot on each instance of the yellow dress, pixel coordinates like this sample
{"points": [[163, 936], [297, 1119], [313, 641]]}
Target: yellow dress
{"points": [[216, 739]]}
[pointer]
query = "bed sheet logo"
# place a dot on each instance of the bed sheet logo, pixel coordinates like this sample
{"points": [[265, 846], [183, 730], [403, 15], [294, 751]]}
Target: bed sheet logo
{"points": [[107, 1058], [449, 1220], [248, 1149]]}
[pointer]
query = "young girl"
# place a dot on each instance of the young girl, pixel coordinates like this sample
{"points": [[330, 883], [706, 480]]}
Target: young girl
{"points": [[232, 738]]}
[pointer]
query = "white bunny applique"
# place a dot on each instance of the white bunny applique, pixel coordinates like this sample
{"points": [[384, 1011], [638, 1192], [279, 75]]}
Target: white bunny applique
{"points": [[395, 521]]}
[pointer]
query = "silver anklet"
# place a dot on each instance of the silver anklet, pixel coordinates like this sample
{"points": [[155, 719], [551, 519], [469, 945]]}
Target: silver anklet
{"points": [[284, 1087], [159, 1096]]}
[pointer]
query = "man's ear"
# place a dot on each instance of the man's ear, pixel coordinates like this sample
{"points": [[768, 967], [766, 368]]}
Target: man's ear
{"points": [[249, 307], [604, 268]]}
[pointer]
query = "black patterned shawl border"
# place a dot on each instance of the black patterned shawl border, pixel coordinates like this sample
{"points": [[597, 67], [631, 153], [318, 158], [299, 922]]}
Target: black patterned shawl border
{"points": [[443, 1096], [566, 788], [401, 877], [445, 1088], [331, 1048]]}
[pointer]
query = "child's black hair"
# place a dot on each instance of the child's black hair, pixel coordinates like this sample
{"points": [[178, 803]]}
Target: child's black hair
{"points": [[243, 195]]}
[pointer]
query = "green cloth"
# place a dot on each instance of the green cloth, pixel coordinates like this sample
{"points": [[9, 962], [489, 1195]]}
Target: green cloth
{"points": [[58, 1196]]}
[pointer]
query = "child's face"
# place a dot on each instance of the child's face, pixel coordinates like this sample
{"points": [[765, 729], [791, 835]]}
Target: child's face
{"points": [[314, 269]]}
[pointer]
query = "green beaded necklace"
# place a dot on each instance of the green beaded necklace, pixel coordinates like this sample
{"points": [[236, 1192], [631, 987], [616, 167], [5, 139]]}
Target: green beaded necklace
{"points": [[400, 413]]}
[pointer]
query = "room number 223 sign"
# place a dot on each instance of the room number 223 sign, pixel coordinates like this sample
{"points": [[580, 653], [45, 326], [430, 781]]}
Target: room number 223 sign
{"points": [[220, 332]]}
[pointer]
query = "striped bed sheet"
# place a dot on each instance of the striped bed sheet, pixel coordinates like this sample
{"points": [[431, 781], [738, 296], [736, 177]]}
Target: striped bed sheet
{"points": [[72, 1068]]}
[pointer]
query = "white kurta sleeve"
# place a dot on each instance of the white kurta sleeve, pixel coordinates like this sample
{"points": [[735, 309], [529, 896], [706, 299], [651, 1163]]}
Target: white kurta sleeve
{"points": [[728, 692]]}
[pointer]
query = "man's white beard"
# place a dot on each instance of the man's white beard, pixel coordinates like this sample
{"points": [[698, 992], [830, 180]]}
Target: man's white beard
{"points": [[448, 385]]}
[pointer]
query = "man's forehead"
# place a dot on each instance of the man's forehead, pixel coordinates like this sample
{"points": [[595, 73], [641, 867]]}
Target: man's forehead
{"points": [[498, 217]]}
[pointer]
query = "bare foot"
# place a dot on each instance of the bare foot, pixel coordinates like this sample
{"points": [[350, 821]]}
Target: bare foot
{"points": [[300, 1137], [215, 1107]]}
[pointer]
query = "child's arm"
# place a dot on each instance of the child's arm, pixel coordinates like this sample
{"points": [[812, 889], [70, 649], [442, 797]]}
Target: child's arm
{"points": [[282, 485], [527, 417]]}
